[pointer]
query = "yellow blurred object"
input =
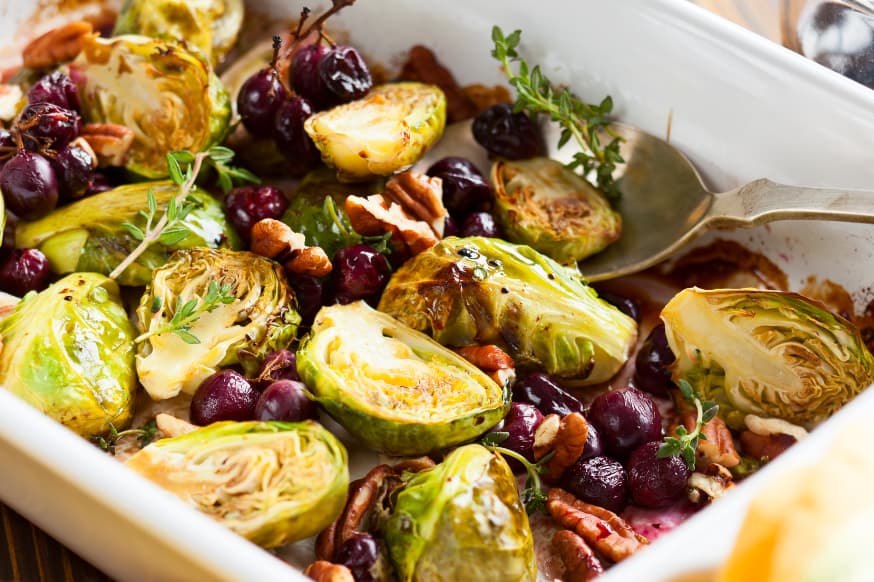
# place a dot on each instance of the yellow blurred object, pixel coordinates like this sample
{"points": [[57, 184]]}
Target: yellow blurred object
{"points": [[812, 523]]}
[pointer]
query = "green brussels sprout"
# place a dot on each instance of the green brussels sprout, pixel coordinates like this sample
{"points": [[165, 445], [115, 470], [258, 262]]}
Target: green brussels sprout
{"points": [[541, 203], [395, 389], [316, 209], [69, 352], [462, 520], [768, 353], [271, 482], [464, 291], [211, 26], [88, 235], [380, 134], [258, 317], [167, 95]]}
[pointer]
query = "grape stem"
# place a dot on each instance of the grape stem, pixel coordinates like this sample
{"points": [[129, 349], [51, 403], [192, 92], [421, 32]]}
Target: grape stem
{"points": [[155, 232]]}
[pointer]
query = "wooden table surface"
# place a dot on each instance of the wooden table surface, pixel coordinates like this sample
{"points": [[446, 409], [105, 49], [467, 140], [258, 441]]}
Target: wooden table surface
{"points": [[28, 554]]}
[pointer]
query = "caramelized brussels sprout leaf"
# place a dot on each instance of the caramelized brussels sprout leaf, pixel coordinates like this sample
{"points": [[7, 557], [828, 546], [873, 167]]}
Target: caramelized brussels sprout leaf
{"points": [[90, 234], [166, 94], [211, 26], [768, 353], [395, 389], [541, 203], [272, 482], [462, 520], [69, 352], [380, 134], [481, 290], [261, 318]]}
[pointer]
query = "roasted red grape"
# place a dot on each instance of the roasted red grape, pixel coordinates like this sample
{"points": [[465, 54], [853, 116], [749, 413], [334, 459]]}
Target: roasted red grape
{"points": [[345, 74], [655, 481], [257, 102], [626, 305], [625, 419], [360, 272], [24, 270], [293, 142], [285, 400], [99, 183], [360, 553], [542, 391], [310, 294], [74, 168], [225, 395], [56, 88], [280, 365], [650, 363], [480, 224], [600, 481], [305, 76], [48, 125], [246, 205], [29, 185], [521, 422], [507, 134], [464, 187]]}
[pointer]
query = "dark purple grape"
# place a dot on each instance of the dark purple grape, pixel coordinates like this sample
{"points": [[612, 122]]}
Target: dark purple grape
{"points": [[310, 294], [626, 305], [29, 185], [280, 365], [305, 76], [594, 446], [360, 272], [550, 398], [449, 227], [654, 481], [246, 205], [345, 74], [99, 183], [56, 88], [507, 134], [360, 554], [48, 125], [285, 400], [464, 188], [24, 270], [480, 224], [74, 168], [521, 422], [225, 395], [650, 363], [293, 142], [600, 481], [625, 419], [257, 102]]}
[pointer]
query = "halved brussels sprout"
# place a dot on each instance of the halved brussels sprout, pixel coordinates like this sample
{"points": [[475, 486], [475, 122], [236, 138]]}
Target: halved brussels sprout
{"points": [[481, 290], [768, 353], [211, 26], [394, 388], [261, 318], [462, 520], [166, 94], [69, 352], [88, 234], [541, 203], [272, 482], [385, 132], [324, 222]]}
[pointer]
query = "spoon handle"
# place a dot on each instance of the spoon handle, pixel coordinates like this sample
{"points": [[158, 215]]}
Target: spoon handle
{"points": [[763, 201]]}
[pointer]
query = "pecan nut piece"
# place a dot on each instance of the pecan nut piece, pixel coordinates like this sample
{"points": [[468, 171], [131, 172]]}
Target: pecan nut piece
{"points": [[711, 484], [276, 240], [111, 142], [492, 360], [374, 215], [56, 46], [603, 529], [312, 261], [545, 435], [324, 571], [718, 446], [765, 447], [565, 437], [422, 66], [420, 196], [172, 426], [580, 562]]}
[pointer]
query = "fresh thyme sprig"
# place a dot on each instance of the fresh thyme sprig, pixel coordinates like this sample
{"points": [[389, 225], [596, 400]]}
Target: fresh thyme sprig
{"points": [[187, 313], [579, 120], [685, 443], [532, 496], [145, 435]]}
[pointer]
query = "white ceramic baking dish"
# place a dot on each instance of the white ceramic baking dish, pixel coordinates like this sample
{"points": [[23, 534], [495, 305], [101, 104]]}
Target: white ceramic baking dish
{"points": [[742, 108]]}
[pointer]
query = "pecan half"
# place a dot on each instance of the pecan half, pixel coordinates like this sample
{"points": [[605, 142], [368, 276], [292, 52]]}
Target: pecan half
{"points": [[606, 531], [110, 141], [567, 440], [545, 435], [323, 571], [422, 66], [56, 46], [484, 97], [420, 196], [580, 562], [492, 360], [711, 484], [718, 447], [171, 426], [765, 447], [276, 240]]}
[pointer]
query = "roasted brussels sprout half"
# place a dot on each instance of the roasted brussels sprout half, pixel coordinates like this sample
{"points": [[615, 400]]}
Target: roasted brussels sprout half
{"points": [[316, 209], [385, 132], [211, 26], [462, 520], [271, 482], [768, 353], [257, 318], [482, 290], [167, 95], [69, 352], [543, 204], [89, 235], [394, 388]]}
